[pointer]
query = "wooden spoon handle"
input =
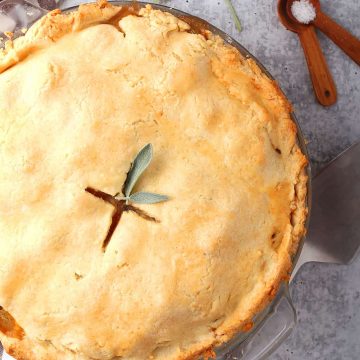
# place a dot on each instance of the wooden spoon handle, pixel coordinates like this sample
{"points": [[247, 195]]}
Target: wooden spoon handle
{"points": [[321, 78], [341, 37]]}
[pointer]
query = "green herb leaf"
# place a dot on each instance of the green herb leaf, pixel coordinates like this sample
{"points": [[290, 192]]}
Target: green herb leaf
{"points": [[147, 198], [234, 14], [138, 166]]}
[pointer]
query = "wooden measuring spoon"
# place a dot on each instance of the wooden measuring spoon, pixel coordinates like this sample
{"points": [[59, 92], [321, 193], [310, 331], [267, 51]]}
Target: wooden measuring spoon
{"points": [[341, 37], [323, 83]]}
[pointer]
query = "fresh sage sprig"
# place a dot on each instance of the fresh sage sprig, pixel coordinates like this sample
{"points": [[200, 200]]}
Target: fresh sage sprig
{"points": [[137, 167], [121, 202]]}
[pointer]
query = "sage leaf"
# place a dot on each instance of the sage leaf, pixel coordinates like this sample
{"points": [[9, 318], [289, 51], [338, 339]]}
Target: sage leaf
{"points": [[138, 166], [147, 198]]}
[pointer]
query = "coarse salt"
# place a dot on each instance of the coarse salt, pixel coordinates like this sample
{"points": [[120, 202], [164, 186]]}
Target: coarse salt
{"points": [[303, 11]]}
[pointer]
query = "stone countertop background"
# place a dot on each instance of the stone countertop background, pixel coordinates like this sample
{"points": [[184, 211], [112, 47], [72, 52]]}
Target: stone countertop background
{"points": [[327, 297]]}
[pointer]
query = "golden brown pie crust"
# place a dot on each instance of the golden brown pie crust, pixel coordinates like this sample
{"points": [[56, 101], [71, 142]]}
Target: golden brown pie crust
{"points": [[78, 99]]}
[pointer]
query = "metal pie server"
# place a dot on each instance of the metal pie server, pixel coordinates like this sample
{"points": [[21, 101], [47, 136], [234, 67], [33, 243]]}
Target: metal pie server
{"points": [[334, 231]]}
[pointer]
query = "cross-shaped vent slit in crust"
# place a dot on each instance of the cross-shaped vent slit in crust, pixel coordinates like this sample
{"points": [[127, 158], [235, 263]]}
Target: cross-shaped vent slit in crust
{"points": [[119, 207], [122, 202]]}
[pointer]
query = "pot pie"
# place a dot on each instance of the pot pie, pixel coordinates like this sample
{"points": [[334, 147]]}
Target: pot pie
{"points": [[80, 95]]}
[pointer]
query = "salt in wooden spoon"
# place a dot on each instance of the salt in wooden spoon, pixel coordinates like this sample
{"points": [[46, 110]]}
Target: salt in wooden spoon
{"points": [[341, 37], [323, 83]]}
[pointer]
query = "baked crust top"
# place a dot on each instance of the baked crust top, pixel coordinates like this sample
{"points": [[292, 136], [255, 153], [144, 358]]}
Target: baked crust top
{"points": [[80, 95]]}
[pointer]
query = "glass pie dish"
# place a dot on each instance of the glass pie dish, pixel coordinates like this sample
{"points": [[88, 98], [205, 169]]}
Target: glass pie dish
{"points": [[275, 322]]}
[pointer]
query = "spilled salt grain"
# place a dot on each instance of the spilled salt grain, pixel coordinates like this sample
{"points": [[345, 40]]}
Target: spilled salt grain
{"points": [[303, 11]]}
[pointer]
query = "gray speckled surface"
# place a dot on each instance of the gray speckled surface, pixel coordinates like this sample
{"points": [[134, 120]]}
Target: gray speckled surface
{"points": [[327, 297]]}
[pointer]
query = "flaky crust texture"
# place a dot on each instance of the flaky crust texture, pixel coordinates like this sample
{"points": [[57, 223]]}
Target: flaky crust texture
{"points": [[80, 95]]}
